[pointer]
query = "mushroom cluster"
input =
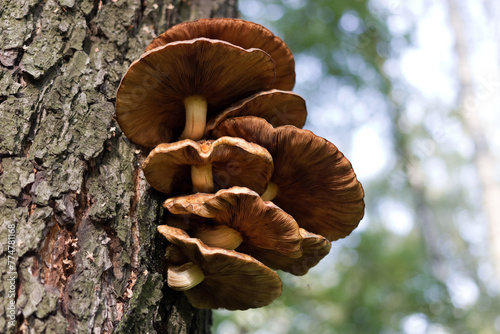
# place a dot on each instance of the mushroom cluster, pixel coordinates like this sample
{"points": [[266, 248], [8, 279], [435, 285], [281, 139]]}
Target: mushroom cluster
{"points": [[250, 192]]}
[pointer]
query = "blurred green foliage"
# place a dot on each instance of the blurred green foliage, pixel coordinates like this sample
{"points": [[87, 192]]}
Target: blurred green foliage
{"points": [[376, 280], [350, 40]]}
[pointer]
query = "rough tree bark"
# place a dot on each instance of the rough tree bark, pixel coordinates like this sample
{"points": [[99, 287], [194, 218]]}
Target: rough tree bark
{"points": [[84, 255]]}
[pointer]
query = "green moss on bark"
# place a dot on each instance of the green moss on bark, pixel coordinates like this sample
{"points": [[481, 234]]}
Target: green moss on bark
{"points": [[54, 28], [33, 291], [8, 86], [16, 115], [111, 185], [86, 288], [85, 217], [57, 179], [16, 23], [30, 231], [143, 305], [17, 174], [117, 27]]}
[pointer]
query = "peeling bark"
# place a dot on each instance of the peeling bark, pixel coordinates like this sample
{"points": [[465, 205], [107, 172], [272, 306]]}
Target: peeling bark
{"points": [[85, 254]]}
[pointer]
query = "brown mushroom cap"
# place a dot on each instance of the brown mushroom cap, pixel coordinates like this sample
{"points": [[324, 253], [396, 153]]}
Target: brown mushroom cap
{"points": [[315, 182], [261, 224], [275, 106], [233, 281], [314, 248], [150, 103], [239, 32], [233, 161]]}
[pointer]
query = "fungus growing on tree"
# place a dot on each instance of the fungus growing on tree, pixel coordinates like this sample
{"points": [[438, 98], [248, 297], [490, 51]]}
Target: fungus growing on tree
{"points": [[238, 32], [240, 215], [204, 166], [170, 91], [217, 278], [210, 78], [312, 180], [275, 106]]}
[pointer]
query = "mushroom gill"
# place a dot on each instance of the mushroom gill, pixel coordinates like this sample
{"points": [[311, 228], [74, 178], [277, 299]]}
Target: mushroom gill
{"points": [[205, 166], [170, 90]]}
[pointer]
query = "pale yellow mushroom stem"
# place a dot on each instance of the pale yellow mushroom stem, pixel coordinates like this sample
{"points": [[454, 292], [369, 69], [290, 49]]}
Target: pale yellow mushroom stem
{"points": [[202, 178], [221, 236], [196, 117], [271, 192], [185, 277]]}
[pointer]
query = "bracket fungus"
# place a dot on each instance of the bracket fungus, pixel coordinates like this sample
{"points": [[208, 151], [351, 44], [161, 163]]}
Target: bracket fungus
{"points": [[312, 180], [218, 278], [238, 32], [169, 91], [260, 224], [278, 107], [208, 165]]}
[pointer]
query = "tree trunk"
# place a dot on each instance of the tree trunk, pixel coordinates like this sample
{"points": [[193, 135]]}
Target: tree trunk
{"points": [[79, 247], [472, 101]]}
